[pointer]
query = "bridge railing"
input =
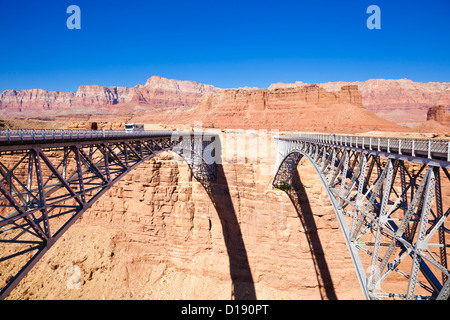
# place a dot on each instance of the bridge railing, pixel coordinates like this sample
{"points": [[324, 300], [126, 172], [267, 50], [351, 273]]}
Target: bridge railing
{"points": [[46, 135], [425, 148]]}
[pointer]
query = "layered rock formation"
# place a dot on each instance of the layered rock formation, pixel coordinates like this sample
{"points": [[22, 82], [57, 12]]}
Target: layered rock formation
{"points": [[401, 101], [306, 108], [163, 100], [35, 100], [439, 114], [438, 121], [157, 92]]}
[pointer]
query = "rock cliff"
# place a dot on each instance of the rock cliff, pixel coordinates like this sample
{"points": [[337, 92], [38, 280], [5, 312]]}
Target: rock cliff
{"points": [[402, 101], [438, 121], [162, 100], [35, 99], [439, 114], [157, 92], [306, 108]]}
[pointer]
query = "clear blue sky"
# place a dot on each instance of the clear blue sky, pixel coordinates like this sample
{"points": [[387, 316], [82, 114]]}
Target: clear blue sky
{"points": [[224, 43]]}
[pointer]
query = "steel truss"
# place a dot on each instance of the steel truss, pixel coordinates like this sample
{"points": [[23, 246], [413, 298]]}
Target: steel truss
{"points": [[392, 211], [46, 184]]}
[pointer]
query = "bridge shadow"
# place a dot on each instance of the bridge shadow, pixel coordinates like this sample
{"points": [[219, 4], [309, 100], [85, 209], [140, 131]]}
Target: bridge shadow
{"points": [[300, 201], [243, 287]]}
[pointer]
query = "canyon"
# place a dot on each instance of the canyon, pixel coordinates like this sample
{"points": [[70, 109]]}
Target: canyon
{"points": [[398, 100], [157, 92], [160, 100], [160, 234]]}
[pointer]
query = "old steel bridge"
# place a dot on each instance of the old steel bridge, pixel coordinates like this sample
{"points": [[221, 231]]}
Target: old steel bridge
{"points": [[50, 177]]}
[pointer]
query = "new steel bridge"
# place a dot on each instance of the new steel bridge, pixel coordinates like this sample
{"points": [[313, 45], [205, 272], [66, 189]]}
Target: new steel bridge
{"points": [[391, 196]]}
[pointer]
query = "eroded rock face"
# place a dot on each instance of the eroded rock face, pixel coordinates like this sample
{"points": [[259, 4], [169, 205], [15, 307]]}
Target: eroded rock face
{"points": [[283, 98], [343, 106], [157, 92], [306, 108], [157, 234], [439, 114], [402, 101], [35, 99]]}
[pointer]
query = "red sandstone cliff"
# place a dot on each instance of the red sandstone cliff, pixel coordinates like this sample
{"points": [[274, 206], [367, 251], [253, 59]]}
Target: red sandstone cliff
{"points": [[157, 92], [438, 121], [401, 101], [293, 106], [35, 99], [439, 114], [307, 108]]}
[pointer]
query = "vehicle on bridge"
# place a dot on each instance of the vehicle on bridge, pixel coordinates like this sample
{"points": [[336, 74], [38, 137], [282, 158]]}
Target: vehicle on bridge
{"points": [[130, 127]]}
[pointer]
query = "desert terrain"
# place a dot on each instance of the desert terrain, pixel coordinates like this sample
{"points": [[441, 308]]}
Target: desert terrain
{"points": [[156, 234]]}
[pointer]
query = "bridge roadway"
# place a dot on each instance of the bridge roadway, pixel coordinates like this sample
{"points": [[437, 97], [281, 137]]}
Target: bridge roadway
{"points": [[390, 195]]}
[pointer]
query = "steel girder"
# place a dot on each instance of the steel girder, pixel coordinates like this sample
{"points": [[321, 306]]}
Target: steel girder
{"points": [[46, 185], [392, 212]]}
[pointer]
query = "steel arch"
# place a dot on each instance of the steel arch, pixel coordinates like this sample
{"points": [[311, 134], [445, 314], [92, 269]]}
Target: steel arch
{"points": [[47, 185], [387, 208]]}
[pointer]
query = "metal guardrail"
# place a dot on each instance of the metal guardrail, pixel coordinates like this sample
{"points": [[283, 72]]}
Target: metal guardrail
{"points": [[423, 148], [15, 136]]}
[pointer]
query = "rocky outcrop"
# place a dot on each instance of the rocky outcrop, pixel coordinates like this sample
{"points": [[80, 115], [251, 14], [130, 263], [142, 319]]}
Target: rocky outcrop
{"points": [[439, 114], [438, 121], [163, 100], [157, 92], [306, 108], [279, 99], [402, 101], [35, 99]]}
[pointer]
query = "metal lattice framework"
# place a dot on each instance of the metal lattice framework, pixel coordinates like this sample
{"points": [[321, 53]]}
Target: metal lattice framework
{"points": [[391, 197], [48, 178]]}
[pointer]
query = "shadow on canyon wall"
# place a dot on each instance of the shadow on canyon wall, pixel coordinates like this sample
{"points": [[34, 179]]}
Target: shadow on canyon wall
{"points": [[300, 201], [243, 287], [241, 276]]}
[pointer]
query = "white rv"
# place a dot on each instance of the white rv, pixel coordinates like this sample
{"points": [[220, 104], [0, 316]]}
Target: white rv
{"points": [[129, 127]]}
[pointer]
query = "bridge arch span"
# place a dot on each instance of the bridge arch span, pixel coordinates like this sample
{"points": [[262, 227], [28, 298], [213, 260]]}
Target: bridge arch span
{"points": [[389, 200], [47, 183]]}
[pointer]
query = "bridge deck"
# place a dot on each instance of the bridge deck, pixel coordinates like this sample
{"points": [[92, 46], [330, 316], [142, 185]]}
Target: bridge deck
{"points": [[429, 151]]}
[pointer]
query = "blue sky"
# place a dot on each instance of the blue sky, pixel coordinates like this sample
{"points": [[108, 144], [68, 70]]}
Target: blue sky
{"points": [[224, 43]]}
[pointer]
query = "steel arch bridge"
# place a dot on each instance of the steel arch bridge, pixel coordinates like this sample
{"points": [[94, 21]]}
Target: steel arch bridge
{"points": [[390, 195], [391, 198], [48, 178]]}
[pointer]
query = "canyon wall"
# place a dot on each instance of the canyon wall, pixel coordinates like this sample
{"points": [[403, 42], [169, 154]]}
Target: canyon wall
{"points": [[402, 101], [159, 234], [35, 99], [157, 92], [306, 108], [439, 114]]}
